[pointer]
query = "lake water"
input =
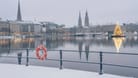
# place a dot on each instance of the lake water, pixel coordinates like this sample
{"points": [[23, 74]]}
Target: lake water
{"points": [[83, 46]]}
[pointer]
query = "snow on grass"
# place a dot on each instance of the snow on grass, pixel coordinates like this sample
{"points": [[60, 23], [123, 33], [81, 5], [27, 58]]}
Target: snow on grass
{"points": [[21, 71]]}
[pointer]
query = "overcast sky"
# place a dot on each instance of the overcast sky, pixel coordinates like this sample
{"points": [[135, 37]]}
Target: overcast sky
{"points": [[66, 11]]}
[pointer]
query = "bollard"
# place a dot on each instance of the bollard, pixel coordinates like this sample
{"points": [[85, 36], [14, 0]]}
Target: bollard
{"points": [[27, 56], [101, 63], [19, 56], [61, 62]]}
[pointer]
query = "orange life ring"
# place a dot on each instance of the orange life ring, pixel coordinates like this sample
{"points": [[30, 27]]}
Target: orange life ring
{"points": [[44, 55]]}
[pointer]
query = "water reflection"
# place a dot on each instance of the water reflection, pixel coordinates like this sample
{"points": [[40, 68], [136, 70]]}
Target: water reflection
{"points": [[80, 46], [87, 51], [118, 43], [17, 43], [100, 44]]}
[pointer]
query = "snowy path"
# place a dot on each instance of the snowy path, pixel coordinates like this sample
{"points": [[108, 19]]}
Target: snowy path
{"points": [[21, 71]]}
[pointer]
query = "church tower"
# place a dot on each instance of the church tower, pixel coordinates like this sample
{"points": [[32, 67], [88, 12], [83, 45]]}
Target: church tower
{"points": [[80, 21], [86, 22], [19, 17]]}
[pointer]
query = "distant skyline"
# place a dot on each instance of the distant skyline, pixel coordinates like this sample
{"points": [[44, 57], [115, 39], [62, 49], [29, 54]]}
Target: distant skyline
{"points": [[67, 11]]}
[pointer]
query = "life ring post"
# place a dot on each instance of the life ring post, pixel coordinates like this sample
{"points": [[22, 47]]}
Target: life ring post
{"points": [[44, 50]]}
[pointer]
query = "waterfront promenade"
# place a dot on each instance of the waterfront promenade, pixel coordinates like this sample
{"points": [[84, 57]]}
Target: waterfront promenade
{"points": [[21, 71]]}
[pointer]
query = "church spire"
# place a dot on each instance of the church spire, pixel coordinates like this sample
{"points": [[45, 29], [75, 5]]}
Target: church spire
{"points": [[86, 22], [79, 20], [19, 17]]}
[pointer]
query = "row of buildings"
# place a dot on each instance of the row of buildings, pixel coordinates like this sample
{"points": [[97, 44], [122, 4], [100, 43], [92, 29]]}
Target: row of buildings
{"points": [[17, 28], [30, 28], [20, 27]]}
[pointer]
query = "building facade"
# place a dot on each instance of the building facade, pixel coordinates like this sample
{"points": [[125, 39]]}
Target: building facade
{"points": [[4, 28]]}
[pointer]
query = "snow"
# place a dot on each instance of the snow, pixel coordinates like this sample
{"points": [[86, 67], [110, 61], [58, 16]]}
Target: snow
{"points": [[22, 71]]}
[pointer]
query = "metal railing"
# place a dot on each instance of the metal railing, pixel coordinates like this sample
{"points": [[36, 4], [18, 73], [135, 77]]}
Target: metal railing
{"points": [[61, 60]]}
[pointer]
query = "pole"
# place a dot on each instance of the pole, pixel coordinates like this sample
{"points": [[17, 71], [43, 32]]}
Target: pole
{"points": [[61, 62], [27, 56], [101, 63]]}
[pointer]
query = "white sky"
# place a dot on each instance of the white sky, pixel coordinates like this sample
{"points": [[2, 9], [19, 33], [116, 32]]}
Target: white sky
{"points": [[66, 11]]}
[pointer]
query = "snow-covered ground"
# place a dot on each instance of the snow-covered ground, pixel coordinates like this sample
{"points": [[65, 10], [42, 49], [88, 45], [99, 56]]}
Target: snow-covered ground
{"points": [[21, 71]]}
